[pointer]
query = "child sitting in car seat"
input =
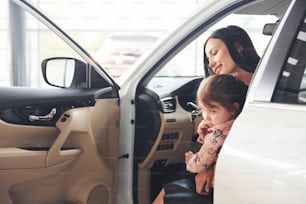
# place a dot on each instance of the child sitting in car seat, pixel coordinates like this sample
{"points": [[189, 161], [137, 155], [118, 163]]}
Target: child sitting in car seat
{"points": [[221, 98]]}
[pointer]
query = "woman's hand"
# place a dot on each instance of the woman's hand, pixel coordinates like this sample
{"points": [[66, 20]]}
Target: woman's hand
{"points": [[204, 181]]}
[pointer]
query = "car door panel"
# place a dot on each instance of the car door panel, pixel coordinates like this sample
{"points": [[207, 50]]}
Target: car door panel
{"points": [[59, 128], [67, 159]]}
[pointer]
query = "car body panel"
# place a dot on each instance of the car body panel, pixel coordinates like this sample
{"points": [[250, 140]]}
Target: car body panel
{"points": [[263, 158]]}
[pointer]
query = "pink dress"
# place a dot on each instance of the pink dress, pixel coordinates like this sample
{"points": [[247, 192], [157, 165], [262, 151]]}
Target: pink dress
{"points": [[210, 149]]}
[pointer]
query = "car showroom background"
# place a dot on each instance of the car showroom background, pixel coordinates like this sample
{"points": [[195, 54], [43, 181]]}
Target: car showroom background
{"points": [[95, 24]]}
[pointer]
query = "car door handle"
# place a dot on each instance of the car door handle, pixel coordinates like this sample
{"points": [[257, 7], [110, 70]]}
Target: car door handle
{"points": [[47, 117]]}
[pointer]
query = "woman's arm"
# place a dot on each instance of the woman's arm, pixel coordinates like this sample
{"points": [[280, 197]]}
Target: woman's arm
{"points": [[205, 180]]}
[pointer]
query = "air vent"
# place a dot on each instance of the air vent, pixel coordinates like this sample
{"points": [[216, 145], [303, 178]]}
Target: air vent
{"points": [[168, 104]]}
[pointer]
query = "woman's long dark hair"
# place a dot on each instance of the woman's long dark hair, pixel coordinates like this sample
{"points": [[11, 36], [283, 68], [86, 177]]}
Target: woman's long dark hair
{"points": [[240, 47]]}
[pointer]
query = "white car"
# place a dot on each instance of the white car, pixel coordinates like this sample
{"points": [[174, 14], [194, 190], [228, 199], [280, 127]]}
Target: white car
{"points": [[86, 138]]}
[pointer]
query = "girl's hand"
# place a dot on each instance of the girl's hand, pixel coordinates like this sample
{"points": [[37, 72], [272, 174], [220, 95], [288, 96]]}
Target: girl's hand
{"points": [[188, 156], [203, 130]]}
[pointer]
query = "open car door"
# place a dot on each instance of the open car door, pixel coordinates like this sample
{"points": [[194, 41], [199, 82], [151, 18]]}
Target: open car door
{"points": [[58, 144]]}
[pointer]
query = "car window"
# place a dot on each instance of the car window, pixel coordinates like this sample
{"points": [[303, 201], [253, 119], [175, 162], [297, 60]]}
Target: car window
{"points": [[29, 42], [189, 62], [119, 52], [291, 86], [94, 25]]}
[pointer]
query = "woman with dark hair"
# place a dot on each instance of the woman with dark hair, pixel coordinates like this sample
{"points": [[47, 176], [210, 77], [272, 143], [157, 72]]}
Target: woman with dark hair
{"points": [[228, 50]]}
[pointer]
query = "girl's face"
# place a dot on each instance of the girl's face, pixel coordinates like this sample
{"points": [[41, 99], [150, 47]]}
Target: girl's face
{"points": [[219, 57], [215, 113]]}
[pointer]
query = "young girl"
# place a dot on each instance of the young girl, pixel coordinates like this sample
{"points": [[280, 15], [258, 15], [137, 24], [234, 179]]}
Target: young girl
{"points": [[221, 98]]}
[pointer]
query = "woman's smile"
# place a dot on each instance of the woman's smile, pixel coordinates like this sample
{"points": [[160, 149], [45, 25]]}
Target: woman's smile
{"points": [[217, 68]]}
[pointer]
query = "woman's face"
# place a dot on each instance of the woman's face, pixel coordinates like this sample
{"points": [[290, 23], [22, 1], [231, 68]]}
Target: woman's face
{"points": [[220, 60]]}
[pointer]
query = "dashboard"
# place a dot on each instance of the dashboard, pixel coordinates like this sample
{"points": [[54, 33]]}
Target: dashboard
{"points": [[164, 122], [181, 88]]}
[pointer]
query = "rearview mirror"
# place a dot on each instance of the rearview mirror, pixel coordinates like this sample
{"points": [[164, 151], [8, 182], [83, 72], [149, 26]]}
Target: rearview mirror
{"points": [[269, 28]]}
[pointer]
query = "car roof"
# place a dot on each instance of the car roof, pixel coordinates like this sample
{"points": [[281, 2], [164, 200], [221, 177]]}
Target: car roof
{"points": [[132, 36], [264, 7]]}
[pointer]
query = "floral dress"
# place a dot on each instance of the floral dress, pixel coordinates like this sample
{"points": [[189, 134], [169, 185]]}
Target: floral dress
{"points": [[210, 149]]}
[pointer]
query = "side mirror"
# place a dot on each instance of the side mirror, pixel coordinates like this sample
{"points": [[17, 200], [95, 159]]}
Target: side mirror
{"points": [[65, 72], [59, 72]]}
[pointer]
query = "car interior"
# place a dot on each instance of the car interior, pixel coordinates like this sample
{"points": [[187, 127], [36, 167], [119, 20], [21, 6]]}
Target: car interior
{"points": [[167, 116], [61, 144]]}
